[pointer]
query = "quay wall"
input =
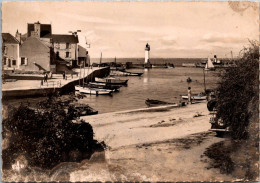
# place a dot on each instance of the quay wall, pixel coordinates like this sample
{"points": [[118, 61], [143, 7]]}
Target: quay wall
{"points": [[45, 91]]}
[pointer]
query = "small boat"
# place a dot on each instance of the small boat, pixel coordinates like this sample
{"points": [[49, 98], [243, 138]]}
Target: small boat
{"points": [[125, 73], [159, 66], [200, 96], [93, 91], [209, 65], [112, 81], [151, 103], [84, 110], [103, 86]]}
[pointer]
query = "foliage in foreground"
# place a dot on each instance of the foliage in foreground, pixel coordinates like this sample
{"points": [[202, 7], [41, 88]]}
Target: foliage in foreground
{"points": [[239, 88], [46, 135]]}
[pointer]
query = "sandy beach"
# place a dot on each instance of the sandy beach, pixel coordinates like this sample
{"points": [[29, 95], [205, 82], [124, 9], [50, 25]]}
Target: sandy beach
{"points": [[155, 144]]}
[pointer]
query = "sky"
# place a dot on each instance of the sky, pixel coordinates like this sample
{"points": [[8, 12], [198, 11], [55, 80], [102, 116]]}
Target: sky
{"points": [[122, 29]]}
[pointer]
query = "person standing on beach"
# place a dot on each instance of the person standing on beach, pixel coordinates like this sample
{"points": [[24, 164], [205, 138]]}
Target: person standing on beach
{"points": [[189, 95]]}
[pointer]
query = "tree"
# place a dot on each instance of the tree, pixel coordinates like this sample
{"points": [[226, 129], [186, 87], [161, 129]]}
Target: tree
{"points": [[47, 135], [238, 88]]}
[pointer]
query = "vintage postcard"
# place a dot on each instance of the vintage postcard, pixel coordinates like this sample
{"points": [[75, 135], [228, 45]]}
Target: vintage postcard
{"points": [[136, 91]]}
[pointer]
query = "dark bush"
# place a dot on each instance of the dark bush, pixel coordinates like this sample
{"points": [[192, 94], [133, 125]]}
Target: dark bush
{"points": [[46, 135], [239, 85]]}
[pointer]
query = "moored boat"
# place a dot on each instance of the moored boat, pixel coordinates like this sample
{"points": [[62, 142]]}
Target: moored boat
{"points": [[195, 97], [111, 81], [93, 91], [159, 66], [103, 86], [151, 103]]}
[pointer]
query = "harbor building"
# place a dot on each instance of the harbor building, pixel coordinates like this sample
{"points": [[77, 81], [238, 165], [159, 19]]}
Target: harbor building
{"points": [[10, 52], [66, 48], [83, 56], [36, 51]]}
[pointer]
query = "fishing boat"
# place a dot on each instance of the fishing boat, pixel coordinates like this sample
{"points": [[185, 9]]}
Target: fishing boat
{"points": [[200, 96], [103, 86], [151, 103], [94, 91], [209, 65], [111, 81]]}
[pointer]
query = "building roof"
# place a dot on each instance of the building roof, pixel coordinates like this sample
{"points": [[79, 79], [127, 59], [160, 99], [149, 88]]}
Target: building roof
{"points": [[62, 38], [8, 38], [45, 30], [82, 51]]}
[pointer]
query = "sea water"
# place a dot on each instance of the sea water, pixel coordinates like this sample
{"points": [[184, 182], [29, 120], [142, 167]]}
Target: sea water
{"points": [[159, 84]]}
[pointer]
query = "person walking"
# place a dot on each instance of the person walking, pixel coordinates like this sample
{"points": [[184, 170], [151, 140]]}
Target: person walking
{"points": [[189, 95], [46, 77], [63, 75]]}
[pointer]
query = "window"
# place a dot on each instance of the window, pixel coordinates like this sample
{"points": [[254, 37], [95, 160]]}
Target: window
{"points": [[57, 45], [5, 50], [13, 62], [67, 54], [67, 46], [23, 61], [4, 60]]}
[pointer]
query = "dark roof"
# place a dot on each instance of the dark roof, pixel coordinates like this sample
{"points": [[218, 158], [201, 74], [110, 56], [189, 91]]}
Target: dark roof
{"points": [[8, 38], [45, 30], [82, 51], [61, 38]]}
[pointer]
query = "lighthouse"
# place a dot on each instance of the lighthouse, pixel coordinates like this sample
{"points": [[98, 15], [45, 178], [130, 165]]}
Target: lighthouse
{"points": [[147, 54]]}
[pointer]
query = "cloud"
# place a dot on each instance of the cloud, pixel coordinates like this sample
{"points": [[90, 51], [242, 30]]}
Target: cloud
{"points": [[223, 38], [90, 19]]}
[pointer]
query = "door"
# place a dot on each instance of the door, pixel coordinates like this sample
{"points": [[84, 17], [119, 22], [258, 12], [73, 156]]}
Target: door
{"points": [[9, 62]]}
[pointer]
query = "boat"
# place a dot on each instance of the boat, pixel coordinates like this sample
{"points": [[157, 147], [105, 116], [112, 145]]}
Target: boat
{"points": [[93, 91], [125, 73], [103, 86], [83, 110], [151, 103], [209, 65], [111, 81], [159, 66], [200, 96]]}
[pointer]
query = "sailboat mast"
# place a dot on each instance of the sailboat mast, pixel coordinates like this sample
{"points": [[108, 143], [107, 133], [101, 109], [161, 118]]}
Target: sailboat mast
{"points": [[100, 58], [84, 72], [79, 73], [204, 80]]}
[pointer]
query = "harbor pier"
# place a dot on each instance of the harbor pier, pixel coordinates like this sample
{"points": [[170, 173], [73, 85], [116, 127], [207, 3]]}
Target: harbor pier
{"points": [[26, 88]]}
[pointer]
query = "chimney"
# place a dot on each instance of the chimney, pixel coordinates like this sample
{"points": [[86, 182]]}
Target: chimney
{"points": [[37, 30], [18, 36]]}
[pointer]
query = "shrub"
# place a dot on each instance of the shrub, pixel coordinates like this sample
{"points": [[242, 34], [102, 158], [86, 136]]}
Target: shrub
{"points": [[46, 135], [238, 87]]}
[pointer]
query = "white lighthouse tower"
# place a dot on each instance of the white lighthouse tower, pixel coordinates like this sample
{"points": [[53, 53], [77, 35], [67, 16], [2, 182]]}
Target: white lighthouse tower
{"points": [[147, 54]]}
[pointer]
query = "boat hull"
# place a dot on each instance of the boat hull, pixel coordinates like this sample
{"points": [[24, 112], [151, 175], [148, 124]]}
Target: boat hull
{"points": [[111, 81], [93, 91], [194, 97], [153, 103]]}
